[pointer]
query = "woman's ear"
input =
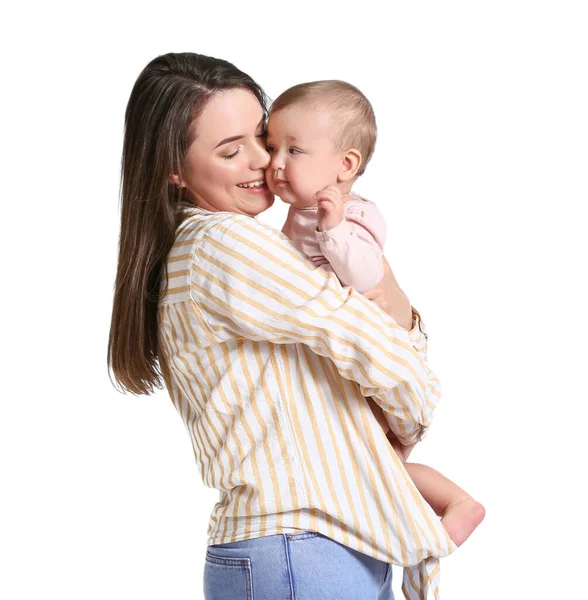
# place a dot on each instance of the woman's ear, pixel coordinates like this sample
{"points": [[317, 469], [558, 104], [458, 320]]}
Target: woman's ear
{"points": [[350, 164], [174, 179]]}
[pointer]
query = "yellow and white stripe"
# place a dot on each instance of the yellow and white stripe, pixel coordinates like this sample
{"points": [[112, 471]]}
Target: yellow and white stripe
{"points": [[268, 360]]}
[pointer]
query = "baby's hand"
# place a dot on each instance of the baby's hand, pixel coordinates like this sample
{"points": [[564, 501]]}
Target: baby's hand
{"points": [[330, 207]]}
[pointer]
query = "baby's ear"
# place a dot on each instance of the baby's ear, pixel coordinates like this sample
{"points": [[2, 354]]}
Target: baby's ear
{"points": [[350, 164]]}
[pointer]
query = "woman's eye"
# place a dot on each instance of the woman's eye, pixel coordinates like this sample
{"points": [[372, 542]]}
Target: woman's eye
{"points": [[229, 156]]}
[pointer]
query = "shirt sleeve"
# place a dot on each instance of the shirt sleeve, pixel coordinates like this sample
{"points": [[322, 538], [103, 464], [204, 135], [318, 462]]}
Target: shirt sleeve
{"points": [[354, 247], [249, 281], [418, 334]]}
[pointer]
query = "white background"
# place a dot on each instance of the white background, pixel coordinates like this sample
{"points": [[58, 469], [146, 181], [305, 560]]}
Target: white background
{"points": [[481, 172]]}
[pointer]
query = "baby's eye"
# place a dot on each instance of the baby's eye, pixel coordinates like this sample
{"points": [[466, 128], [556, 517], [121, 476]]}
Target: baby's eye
{"points": [[270, 149], [293, 151]]}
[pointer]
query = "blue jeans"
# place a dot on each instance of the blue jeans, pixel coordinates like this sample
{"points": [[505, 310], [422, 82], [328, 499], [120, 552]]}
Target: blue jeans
{"points": [[300, 566]]}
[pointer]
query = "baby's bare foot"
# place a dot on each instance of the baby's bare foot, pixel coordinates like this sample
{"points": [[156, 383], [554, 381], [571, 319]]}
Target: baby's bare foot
{"points": [[461, 517]]}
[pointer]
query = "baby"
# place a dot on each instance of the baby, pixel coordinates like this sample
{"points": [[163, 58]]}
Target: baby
{"points": [[321, 136]]}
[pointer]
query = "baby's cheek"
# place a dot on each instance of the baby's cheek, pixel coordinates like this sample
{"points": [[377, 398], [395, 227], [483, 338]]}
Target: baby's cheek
{"points": [[321, 178], [269, 180], [305, 180]]}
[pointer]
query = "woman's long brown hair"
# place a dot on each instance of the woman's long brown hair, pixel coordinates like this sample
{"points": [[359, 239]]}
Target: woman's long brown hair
{"points": [[160, 120]]}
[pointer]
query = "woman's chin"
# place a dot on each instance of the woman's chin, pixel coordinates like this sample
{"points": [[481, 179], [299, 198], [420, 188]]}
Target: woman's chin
{"points": [[253, 201], [270, 201], [260, 205]]}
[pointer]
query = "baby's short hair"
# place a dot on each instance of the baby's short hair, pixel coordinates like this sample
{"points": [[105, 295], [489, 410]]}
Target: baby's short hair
{"points": [[352, 115]]}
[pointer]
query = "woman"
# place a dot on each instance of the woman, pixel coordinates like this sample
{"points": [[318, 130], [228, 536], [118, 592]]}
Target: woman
{"points": [[262, 355]]}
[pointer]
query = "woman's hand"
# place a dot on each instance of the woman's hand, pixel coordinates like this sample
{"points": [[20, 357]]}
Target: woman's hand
{"points": [[391, 299]]}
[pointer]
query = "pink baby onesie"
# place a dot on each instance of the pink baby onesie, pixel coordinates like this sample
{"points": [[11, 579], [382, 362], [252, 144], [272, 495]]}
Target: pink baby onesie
{"points": [[353, 249]]}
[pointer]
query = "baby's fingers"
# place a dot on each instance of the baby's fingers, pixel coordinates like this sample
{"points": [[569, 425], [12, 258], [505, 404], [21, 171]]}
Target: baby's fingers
{"points": [[330, 192], [326, 202]]}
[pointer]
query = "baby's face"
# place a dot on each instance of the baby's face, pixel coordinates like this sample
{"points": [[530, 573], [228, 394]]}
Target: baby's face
{"points": [[303, 159]]}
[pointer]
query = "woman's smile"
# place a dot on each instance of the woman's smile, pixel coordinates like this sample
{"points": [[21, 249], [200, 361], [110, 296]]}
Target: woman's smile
{"points": [[257, 186]]}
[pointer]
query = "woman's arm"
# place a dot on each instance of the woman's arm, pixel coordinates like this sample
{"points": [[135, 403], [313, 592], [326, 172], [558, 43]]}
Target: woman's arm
{"points": [[249, 281], [392, 300]]}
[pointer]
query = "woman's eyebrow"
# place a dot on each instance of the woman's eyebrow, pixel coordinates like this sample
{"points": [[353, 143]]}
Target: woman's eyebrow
{"points": [[234, 138], [229, 139]]}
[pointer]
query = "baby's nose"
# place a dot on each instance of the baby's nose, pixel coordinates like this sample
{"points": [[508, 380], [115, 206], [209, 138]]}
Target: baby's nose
{"points": [[277, 162]]}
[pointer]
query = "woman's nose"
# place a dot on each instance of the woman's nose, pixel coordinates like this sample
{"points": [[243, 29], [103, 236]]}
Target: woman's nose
{"points": [[261, 160]]}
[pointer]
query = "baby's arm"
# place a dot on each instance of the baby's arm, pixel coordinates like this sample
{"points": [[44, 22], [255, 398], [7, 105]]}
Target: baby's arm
{"points": [[352, 243]]}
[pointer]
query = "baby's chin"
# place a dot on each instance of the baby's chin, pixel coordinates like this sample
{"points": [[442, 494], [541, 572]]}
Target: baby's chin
{"points": [[293, 201], [288, 200], [287, 197]]}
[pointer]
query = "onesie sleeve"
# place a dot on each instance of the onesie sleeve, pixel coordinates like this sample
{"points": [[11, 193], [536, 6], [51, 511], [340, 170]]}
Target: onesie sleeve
{"points": [[354, 248]]}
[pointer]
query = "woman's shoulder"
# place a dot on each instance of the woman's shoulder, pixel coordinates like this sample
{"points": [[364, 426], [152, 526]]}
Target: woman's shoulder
{"points": [[197, 224], [203, 237], [224, 243], [194, 222], [202, 231]]}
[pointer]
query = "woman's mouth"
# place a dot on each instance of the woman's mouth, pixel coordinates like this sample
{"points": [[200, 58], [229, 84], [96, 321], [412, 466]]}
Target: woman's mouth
{"points": [[254, 186]]}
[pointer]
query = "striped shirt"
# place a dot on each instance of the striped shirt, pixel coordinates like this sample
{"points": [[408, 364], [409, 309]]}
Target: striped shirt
{"points": [[268, 360]]}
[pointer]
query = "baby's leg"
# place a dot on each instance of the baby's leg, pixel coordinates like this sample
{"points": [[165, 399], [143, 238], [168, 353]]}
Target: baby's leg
{"points": [[460, 513]]}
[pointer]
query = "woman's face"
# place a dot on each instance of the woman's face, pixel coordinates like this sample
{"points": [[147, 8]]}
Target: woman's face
{"points": [[225, 165]]}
